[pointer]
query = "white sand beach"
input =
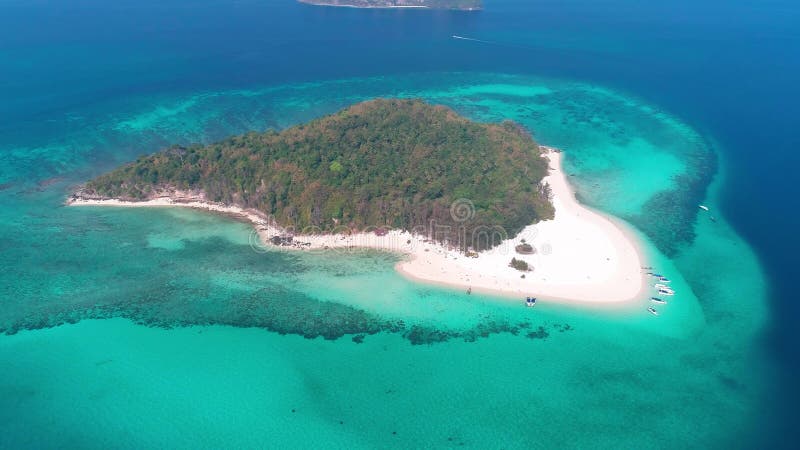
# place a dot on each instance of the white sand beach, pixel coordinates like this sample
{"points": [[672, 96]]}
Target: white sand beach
{"points": [[581, 255]]}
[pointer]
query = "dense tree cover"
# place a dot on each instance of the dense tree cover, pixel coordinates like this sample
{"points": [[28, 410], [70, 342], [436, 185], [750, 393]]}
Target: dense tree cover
{"points": [[519, 264], [397, 163], [435, 4]]}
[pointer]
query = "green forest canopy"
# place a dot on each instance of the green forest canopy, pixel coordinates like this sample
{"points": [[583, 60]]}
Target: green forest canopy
{"points": [[385, 162]]}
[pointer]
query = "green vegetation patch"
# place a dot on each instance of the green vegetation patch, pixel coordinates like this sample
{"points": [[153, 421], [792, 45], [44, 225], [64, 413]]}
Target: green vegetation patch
{"points": [[383, 163]]}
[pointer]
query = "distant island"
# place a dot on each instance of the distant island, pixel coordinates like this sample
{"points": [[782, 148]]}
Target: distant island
{"points": [[462, 5], [400, 164]]}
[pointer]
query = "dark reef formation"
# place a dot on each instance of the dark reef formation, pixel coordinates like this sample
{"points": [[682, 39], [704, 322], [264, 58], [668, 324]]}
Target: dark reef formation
{"points": [[670, 215], [169, 288], [297, 315], [281, 311]]}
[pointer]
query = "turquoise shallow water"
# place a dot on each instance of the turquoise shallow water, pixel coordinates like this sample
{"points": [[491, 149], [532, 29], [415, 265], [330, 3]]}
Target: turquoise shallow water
{"points": [[219, 386], [207, 335]]}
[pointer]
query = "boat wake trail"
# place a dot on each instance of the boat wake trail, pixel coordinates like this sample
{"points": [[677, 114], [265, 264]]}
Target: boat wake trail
{"points": [[473, 40]]}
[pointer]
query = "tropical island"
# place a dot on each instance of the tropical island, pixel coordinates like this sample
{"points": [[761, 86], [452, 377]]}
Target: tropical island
{"points": [[399, 164], [473, 204], [462, 5]]}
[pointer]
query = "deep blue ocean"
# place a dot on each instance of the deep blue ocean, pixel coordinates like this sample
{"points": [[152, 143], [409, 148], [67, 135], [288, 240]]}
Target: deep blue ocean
{"points": [[729, 69]]}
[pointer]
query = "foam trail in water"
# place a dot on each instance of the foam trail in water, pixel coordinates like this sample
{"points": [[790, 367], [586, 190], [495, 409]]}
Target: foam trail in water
{"points": [[503, 44], [471, 39]]}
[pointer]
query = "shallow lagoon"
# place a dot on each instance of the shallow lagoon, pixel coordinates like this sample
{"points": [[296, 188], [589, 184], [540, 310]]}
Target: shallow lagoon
{"points": [[218, 355]]}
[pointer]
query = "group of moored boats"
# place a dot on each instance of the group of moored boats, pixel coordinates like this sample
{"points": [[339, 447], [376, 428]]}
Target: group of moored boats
{"points": [[662, 286], [663, 289]]}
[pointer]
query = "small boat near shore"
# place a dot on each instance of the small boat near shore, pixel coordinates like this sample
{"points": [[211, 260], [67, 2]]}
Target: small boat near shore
{"points": [[530, 302], [652, 310], [664, 280], [658, 300], [703, 207], [666, 292]]}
